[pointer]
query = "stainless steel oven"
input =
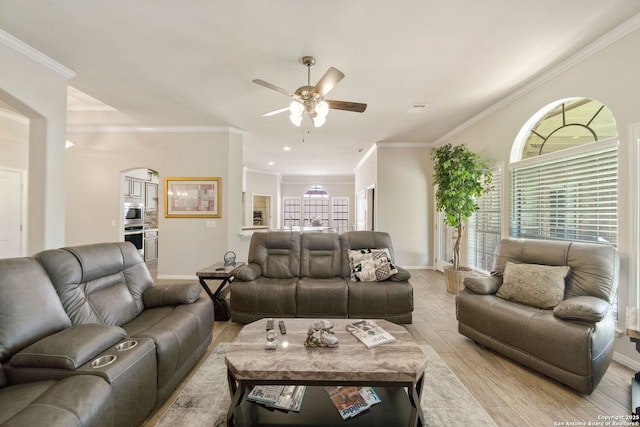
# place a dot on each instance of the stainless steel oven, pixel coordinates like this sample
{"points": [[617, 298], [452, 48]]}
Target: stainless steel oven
{"points": [[134, 225], [135, 235]]}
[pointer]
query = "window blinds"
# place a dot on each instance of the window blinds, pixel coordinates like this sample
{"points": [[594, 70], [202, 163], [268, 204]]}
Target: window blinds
{"points": [[570, 197], [485, 224]]}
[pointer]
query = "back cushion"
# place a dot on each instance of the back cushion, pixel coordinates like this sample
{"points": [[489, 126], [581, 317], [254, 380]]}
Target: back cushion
{"points": [[99, 283], [277, 253], [529, 251], [320, 255], [29, 306], [354, 240], [594, 267]]}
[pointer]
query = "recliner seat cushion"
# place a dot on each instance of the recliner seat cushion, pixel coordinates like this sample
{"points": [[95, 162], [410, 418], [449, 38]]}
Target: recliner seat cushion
{"points": [[176, 331], [322, 297], [79, 400], [264, 296]]}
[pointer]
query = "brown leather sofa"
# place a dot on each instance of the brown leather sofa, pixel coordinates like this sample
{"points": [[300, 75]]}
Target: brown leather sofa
{"points": [[86, 339], [571, 342], [293, 274]]}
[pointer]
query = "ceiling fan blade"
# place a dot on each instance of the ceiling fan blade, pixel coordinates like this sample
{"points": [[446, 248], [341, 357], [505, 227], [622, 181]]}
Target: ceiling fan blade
{"points": [[328, 81], [274, 112], [356, 107], [274, 87]]}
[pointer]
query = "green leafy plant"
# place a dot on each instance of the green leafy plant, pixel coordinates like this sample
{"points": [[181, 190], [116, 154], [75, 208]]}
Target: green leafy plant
{"points": [[461, 177]]}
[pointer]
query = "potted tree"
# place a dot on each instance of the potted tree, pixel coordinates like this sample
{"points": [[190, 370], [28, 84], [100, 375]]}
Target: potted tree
{"points": [[460, 178]]}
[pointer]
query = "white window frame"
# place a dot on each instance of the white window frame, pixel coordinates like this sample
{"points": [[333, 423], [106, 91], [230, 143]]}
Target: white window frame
{"points": [[289, 222], [340, 214]]}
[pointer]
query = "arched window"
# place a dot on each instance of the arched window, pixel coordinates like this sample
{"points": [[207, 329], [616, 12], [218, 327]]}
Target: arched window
{"points": [[564, 174]]}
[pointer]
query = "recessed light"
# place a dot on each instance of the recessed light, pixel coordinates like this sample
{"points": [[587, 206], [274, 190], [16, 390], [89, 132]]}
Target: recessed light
{"points": [[286, 148], [271, 163], [417, 108]]}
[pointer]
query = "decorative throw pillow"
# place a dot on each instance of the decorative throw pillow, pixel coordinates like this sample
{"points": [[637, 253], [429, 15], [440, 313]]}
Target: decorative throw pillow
{"points": [[369, 265], [536, 285]]}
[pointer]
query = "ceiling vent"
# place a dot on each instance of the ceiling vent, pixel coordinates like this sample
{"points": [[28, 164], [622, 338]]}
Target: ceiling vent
{"points": [[417, 108]]}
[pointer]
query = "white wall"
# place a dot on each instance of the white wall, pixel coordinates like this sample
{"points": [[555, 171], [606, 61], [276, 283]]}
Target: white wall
{"points": [[403, 197], [185, 244], [36, 86], [401, 174], [609, 76]]}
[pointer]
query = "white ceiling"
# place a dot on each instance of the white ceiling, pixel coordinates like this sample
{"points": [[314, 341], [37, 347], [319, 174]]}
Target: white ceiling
{"points": [[191, 63]]}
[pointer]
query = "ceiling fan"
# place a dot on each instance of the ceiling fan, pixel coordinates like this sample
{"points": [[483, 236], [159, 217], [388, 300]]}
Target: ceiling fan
{"points": [[310, 99]]}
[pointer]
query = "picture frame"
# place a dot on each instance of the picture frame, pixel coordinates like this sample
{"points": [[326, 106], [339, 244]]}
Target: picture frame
{"points": [[197, 197]]}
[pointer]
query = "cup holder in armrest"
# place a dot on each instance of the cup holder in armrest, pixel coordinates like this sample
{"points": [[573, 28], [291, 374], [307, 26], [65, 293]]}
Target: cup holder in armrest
{"points": [[126, 345], [103, 361]]}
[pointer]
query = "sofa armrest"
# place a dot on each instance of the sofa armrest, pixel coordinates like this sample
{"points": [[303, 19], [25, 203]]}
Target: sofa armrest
{"points": [[70, 348], [247, 272], [401, 276], [585, 308], [171, 294], [483, 285]]}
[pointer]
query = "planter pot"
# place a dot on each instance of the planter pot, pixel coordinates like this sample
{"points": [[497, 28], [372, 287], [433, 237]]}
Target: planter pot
{"points": [[454, 278]]}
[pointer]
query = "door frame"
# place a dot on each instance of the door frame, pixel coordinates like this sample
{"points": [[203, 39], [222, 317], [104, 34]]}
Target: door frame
{"points": [[22, 206]]}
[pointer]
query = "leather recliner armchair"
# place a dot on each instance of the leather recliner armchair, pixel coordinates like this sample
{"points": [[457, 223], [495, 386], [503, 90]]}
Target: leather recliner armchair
{"points": [[571, 342]]}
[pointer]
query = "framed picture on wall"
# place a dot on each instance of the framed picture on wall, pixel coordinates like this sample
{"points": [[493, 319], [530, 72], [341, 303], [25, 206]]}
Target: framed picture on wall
{"points": [[192, 198]]}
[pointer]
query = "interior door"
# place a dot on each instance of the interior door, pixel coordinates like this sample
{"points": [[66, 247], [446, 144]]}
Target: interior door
{"points": [[10, 213]]}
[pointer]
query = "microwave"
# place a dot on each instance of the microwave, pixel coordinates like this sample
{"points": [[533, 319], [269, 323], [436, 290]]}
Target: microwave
{"points": [[133, 214]]}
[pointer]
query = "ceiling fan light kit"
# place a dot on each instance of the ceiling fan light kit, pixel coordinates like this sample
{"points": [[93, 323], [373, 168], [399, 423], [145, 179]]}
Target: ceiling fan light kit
{"points": [[310, 99]]}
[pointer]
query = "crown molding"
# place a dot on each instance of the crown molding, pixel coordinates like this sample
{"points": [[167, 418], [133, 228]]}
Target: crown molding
{"points": [[404, 144], [262, 172], [155, 129], [42, 59], [592, 48]]}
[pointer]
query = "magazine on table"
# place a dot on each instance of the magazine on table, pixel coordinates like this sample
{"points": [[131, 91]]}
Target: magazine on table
{"points": [[287, 397], [370, 333], [350, 400]]}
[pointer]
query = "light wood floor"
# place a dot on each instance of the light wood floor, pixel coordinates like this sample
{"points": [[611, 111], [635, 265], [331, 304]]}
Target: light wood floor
{"points": [[510, 393]]}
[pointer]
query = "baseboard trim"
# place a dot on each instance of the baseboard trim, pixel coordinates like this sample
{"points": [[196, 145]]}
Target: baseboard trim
{"points": [[626, 361]]}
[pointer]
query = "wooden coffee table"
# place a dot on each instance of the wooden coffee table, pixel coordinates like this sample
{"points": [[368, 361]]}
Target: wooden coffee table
{"points": [[395, 370]]}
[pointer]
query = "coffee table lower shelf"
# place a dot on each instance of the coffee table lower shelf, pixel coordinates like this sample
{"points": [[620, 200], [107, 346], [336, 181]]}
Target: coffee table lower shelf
{"points": [[317, 409]]}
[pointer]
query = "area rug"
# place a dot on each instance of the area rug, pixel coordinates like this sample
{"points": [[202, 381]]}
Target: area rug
{"points": [[205, 398]]}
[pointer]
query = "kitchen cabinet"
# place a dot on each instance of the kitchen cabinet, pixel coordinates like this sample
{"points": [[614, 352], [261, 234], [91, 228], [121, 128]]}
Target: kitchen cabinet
{"points": [[150, 245], [134, 187], [151, 196]]}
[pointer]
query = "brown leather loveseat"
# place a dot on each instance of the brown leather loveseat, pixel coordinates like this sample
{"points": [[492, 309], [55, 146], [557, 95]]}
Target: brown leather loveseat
{"points": [[547, 305]]}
